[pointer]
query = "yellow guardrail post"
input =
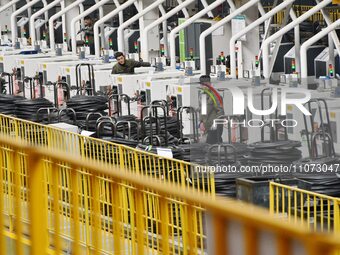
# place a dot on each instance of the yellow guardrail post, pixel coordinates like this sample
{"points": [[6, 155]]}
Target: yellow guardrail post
{"points": [[164, 213], [336, 215], [271, 198], [136, 162], [87, 209], [139, 222], [96, 219], [117, 219], [121, 157], [251, 241], [8, 176], [37, 209], [14, 159], [56, 207], [220, 234], [75, 211], [16, 128], [2, 200], [283, 245]]}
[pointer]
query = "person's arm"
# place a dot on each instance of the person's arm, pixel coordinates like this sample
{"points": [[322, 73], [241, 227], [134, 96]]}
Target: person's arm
{"points": [[146, 64], [140, 64], [114, 70]]}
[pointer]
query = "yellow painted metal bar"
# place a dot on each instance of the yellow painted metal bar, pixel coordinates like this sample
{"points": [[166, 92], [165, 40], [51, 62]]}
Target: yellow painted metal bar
{"points": [[15, 166], [295, 206], [289, 208], [321, 214], [165, 228], [56, 209], [277, 200], [302, 207], [117, 219], [308, 211], [75, 212], [336, 216], [283, 200], [251, 241], [271, 198], [315, 214], [37, 209], [283, 246], [140, 222], [2, 200], [96, 221], [190, 230], [135, 186], [220, 235]]}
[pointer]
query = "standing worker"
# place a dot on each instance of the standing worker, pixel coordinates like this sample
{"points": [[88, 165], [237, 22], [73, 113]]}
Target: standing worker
{"points": [[212, 132], [88, 34], [126, 66]]}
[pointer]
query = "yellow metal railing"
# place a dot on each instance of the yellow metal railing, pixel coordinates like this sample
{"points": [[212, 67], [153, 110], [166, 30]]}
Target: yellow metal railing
{"points": [[301, 9], [76, 206], [318, 212], [137, 161]]}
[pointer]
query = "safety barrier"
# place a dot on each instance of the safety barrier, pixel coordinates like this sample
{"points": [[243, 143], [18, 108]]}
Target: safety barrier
{"points": [[318, 212], [137, 161], [75, 206], [301, 9]]}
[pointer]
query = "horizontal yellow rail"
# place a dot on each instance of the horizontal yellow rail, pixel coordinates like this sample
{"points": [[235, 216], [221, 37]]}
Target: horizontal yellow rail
{"points": [[74, 205], [317, 212], [169, 170]]}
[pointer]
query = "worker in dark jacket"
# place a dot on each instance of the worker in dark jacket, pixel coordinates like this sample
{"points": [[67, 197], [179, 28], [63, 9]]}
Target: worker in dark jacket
{"points": [[126, 66], [88, 34]]}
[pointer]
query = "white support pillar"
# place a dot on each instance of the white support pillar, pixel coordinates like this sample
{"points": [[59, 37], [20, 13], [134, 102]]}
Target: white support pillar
{"points": [[36, 15], [6, 11], [184, 25], [14, 28], [57, 15], [80, 16], [219, 24], [103, 20], [310, 42], [127, 23], [303, 17], [165, 30], [144, 34], [256, 23]]}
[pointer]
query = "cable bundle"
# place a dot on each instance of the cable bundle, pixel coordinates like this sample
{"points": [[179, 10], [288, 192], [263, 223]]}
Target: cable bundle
{"points": [[167, 132], [235, 151], [194, 152], [172, 126], [84, 105], [7, 103], [27, 109], [121, 130], [225, 182], [279, 152]]}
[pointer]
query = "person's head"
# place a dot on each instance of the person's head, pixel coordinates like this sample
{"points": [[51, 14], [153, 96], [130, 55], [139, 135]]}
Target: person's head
{"points": [[205, 79], [120, 58], [88, 21]]}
